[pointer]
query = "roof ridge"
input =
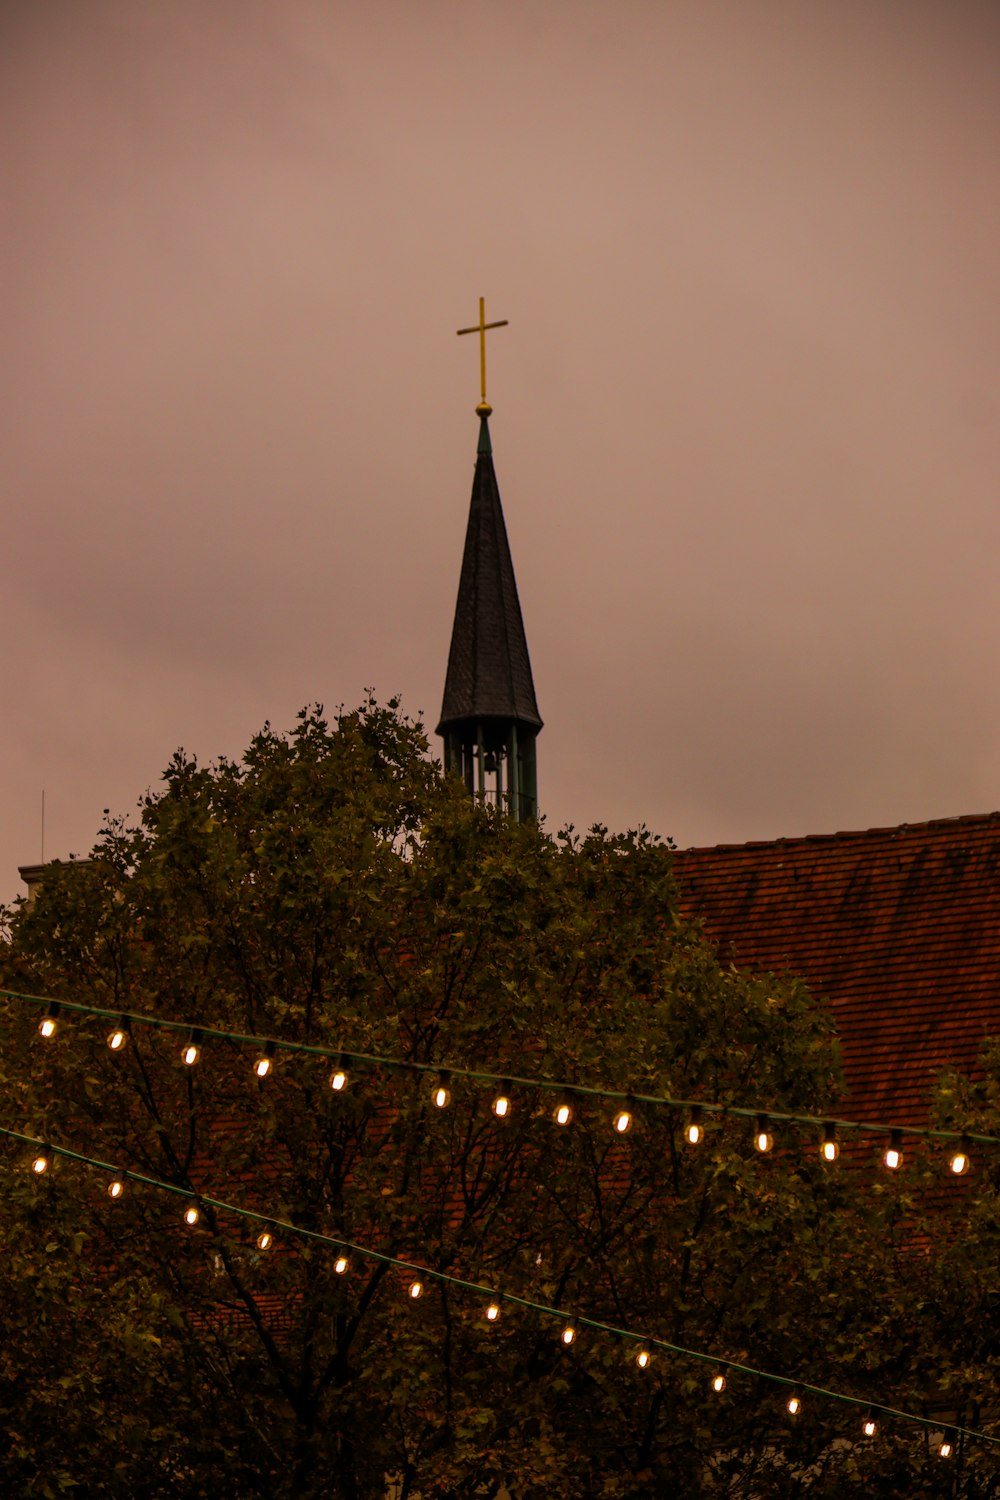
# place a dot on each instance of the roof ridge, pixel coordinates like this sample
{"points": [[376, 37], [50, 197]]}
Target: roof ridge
{"points": [[843, 835]]}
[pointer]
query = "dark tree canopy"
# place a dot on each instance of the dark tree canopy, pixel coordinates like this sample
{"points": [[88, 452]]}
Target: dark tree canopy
{"points": [[332, 889]]}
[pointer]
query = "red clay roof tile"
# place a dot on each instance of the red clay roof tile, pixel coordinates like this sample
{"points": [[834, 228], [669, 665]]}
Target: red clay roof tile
{"points": [[898, 928]]}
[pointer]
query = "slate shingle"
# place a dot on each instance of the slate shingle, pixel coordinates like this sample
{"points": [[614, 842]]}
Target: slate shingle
{"points": [[489, 672]]}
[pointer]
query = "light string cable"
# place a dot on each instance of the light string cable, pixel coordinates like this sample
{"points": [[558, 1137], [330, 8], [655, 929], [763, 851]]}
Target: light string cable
{"points": [[496, 1299], [268, 1047]]}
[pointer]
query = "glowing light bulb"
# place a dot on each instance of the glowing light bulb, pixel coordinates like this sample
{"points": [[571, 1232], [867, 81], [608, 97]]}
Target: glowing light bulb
{"points": [[501, 1105], [829, 1149], [793, 1405], [870, 1425], [643, 1359], [340, 1264], [563, 1113], [763, 1140], [338, 1080], [48, 1026], [568, 1335], [265, 1062], [191, 1051], [718, 1382], [893, 1157], [41, 1162], [442, 1091], [492, 1312], [960, 1162], [265, 1240], [415, 1290], [623, 1121], [191, 1215], [694, 1131], [946, 1448], [118, 1037], [116, 1188]]}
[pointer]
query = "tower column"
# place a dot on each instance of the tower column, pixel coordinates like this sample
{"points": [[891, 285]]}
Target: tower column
{"points": [[489, 714]]}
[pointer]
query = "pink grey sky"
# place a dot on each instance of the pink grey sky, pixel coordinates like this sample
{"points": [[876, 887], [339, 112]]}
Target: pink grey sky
{"points": [[746, 427]]}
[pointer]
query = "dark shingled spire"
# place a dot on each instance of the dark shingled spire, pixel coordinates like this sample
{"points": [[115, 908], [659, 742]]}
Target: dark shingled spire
{"points": [[489, 712], [489, 674]]}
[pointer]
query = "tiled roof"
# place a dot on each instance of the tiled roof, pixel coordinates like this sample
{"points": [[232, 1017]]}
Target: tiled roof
{"points": [[489, 673], [898, 928]]}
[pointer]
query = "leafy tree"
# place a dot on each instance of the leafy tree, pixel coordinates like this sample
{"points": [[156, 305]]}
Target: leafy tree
{"points": [[330, 889]]}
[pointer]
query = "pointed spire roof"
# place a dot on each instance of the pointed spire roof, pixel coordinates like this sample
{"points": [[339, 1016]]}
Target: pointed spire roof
{"points": [[489, 672]]}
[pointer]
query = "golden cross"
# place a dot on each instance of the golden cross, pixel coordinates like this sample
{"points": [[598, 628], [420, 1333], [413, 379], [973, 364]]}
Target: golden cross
{"points": [[483, 408]]}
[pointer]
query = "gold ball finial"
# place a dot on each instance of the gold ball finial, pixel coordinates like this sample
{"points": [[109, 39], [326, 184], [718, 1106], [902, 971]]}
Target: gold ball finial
{"points": [[484, 409]]}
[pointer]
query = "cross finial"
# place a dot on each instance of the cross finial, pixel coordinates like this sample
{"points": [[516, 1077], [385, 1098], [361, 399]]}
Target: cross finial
{"points": [[484, 407]]}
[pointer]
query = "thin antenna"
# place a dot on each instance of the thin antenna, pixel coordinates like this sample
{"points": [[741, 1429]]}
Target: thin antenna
{"points": [[43, 825]]}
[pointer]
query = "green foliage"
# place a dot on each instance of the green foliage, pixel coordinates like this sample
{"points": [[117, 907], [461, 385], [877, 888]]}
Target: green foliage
{"points": [[333, 890]]}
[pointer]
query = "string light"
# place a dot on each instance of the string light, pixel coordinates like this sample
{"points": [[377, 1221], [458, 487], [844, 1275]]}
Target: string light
{"points": [[960, 1162], [415, 1290], [562, 1113], [48, 1026], [829, 1150], [893, 1157], [118, 1037], [643, 1358], [763, 1140], [341, 1264], [492, 1312], [694, 1132], [191, 1051], [623, 1120], [116, 1188], [265, 1240], [568, 1332], [501, 1104], [41, 1161], [870, 1425], [442, 1091]]}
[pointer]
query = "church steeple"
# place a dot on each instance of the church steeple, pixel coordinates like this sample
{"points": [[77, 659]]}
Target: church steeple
{"points": [[489, 717]]}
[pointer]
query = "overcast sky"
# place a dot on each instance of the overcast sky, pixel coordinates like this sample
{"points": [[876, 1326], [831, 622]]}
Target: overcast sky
{"points": [[746, 426]]}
